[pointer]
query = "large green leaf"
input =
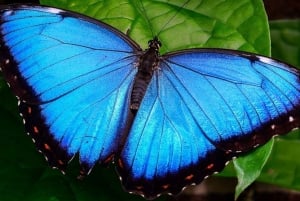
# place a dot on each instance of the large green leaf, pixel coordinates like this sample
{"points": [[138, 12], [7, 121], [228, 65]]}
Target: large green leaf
{"points": [[283, 165], [248, 168], [229, 24]]}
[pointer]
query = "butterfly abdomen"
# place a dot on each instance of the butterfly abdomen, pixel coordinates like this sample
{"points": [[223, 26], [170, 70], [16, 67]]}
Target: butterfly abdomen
{"points": [[138, 91], [147, 64]]}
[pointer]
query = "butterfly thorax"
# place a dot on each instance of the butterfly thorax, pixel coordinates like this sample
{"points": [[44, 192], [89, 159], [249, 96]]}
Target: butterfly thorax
{"points": [[148, 62]]}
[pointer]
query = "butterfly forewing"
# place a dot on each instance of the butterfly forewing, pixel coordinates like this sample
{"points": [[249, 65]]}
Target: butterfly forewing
{"points": [[72, 90]]}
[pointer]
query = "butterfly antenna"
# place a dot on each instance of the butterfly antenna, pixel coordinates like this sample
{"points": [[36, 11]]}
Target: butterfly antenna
{"points": [[178, 10]]}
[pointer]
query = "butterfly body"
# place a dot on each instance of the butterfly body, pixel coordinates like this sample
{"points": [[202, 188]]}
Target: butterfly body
{"points": [[148, 62], [167, 121]]}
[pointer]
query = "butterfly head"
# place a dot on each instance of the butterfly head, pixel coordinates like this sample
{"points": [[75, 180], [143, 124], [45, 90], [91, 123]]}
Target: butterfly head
{"points": [[154, 43]]}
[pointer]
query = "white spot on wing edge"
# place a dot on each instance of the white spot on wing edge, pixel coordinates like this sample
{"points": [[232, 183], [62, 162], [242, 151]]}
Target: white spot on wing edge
{"points": [[54, 10], [273, 126], [47, 9], [265, 60], [227, 163], [272, 62], [8, 12]]}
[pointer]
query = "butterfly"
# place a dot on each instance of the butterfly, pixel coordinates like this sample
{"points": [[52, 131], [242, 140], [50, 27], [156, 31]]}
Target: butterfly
{"points": [[167, 121]]}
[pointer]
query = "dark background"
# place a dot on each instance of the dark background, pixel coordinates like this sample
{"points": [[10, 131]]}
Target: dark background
{"points": [[276, 9]]}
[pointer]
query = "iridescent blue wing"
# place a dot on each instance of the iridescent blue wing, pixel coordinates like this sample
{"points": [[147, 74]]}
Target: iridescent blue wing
{"points": [[203, 107], [72, 76]]}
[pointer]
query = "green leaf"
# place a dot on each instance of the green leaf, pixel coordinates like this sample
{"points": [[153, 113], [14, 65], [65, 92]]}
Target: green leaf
{"points": [[283, 165], [229, 24], [248, 168], [286, 40]]}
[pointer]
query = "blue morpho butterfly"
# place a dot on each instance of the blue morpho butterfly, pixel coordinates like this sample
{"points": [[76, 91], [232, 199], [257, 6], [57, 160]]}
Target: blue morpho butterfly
{"points": [[167, 121]]}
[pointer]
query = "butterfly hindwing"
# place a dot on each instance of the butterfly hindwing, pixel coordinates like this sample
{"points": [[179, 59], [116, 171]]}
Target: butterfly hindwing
{"points": [[163, 147], [72, 76], [202, 108]]}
